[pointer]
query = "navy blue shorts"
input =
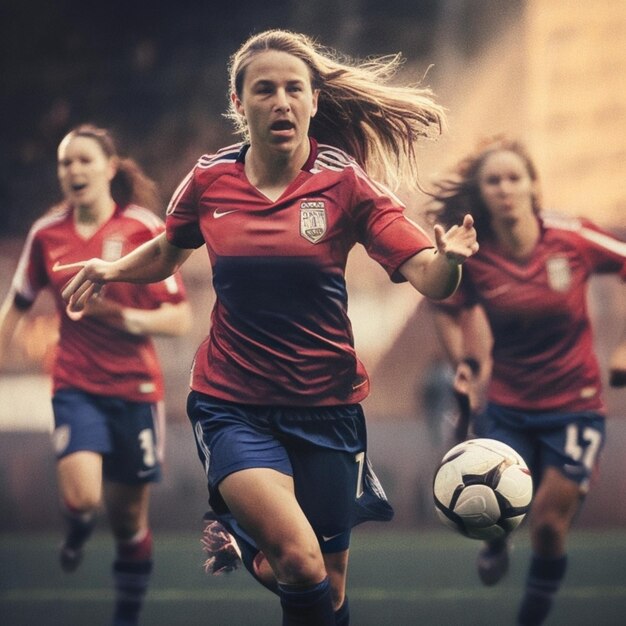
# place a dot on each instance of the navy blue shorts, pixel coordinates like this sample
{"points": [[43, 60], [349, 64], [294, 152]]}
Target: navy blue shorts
{"points": [[570, 442], [322, 448], [128, 435]]}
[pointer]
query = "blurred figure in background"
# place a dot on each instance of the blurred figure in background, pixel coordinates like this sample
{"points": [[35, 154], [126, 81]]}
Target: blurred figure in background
{"points": [[107, 383], [529, 284], [276, 386], [617, 366]]}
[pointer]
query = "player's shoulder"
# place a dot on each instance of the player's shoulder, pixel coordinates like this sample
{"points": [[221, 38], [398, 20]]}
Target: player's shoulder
{"points": [[570, 228], [142, 217], [54, 217], [331, 159], [216, 162], [555, 221]]}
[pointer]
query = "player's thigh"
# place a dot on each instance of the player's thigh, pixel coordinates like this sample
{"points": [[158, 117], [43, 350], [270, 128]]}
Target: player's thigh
{"points": [[79, 439], [80, 479], [127, 507], [263, 501], [135, 427], [556, 498], [327, 485]]}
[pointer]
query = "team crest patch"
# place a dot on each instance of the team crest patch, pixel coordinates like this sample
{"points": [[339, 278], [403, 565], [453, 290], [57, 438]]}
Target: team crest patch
{"points": [[559, 273], [112, 249], [313, 220], [61, 439]]}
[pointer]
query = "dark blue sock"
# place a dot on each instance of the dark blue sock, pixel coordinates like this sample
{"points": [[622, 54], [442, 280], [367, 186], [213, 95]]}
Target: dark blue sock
{"points": [[543, 582], [342, 615], [309, 605], [131, 583]]}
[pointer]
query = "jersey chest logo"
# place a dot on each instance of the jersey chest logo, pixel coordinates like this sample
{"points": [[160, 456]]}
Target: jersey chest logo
{"points": [[112, 248], [313, 221], [559, 273]]}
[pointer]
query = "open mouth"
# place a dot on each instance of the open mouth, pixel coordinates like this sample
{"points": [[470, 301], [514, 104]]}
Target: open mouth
{"points": [[78, 186], [282, 125]]}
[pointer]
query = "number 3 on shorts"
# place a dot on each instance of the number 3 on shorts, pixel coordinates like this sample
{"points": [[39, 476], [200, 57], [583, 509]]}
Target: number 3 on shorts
{"points": [[146, 443]]}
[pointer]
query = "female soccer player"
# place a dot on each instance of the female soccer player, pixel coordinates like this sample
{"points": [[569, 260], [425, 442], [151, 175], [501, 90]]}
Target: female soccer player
{"points": [[276, 385], [544, 395], [107, 383]]}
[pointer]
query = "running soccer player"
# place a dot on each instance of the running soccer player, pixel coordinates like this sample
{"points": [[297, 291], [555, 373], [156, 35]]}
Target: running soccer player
{"points": [[277, 386], [107, 382], [529, 284]]}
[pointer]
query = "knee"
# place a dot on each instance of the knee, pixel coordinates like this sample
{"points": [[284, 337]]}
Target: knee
{"points": [[299, 565], [80, 500], [549, 535]]}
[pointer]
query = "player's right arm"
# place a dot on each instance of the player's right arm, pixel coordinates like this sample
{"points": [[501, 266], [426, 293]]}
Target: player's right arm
{"points": [[151, 262], [617, 366], [10, 316]]}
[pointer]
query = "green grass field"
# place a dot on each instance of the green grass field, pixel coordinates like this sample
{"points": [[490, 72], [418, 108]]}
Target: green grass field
{"points": [[396, 579]]}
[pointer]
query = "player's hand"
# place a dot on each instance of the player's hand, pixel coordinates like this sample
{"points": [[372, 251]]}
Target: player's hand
{"points": [[617, 366], [86, 284], [457, 243], [463, 379]]}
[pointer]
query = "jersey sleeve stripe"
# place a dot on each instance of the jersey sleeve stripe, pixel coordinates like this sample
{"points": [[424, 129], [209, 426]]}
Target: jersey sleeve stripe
{"points": [[149, 219], [179, 192], [337, 160], [20, 284], [604, 241]]}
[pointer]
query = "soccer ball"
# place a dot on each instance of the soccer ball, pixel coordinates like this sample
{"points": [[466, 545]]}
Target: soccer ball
{"points": [[482, 489]]}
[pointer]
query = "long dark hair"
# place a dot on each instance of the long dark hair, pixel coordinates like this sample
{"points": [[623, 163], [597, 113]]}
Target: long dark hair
{"points": [[459, 193], [130, 183]]}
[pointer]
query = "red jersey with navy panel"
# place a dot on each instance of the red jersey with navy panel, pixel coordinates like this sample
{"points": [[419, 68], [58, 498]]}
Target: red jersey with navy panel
{"points": [[280, 333], [92, 356], [543, 353]]}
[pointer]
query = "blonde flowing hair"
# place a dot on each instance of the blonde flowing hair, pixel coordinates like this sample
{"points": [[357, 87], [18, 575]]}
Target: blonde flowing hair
{"points": [[359, 111]]}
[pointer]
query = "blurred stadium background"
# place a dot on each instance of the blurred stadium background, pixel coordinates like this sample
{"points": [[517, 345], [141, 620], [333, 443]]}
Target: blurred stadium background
{"points": [[551, 72]]}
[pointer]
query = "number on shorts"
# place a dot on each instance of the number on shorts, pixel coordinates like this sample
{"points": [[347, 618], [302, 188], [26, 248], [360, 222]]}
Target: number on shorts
{"points": [[584, 453], [360, 459], [146, 443]]}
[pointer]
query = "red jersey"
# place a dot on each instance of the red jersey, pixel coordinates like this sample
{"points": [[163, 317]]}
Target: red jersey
{"points": [[543, 353], [90, 355], [280, 333]]}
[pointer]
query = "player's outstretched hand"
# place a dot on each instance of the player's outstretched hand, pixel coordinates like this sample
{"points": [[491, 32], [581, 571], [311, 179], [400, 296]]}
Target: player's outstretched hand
{"points": [[459, 242], [86, 284]]}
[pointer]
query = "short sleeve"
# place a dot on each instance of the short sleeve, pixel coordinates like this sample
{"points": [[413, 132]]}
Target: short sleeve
{"points": [[182, 225], [388, 236]]}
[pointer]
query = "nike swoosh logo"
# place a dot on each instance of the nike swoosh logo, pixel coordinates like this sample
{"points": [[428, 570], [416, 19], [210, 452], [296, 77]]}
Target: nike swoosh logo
{"points": [[144, 473], [217, 214], [331, 537], [496, 291]]}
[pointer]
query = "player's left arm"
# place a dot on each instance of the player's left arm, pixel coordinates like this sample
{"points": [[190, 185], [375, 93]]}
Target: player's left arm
{"points": [[10, 316], [436, 272]]}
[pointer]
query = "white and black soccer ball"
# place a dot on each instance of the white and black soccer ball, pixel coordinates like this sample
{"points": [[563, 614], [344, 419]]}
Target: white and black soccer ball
{"points": [[482, 489]]}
